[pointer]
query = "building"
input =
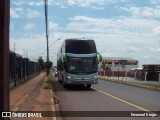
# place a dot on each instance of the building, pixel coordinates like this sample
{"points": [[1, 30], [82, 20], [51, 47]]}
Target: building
{"points": [[149, 72], [152, 72], [119, 65]]}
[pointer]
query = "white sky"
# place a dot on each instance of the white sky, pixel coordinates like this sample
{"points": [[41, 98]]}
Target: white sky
{"points": [[120, 28]]}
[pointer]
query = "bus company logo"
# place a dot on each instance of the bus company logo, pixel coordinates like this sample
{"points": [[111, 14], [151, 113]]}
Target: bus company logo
{"points": [[21, 114], [6, 114]]}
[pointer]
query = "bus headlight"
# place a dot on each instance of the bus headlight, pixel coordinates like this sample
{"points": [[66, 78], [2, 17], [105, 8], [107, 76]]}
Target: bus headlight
{"points": [[95, 77], [69, 77]]}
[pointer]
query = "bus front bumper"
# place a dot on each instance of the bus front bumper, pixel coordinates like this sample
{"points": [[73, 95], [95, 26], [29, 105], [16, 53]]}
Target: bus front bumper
{"points": [[83, 81]]}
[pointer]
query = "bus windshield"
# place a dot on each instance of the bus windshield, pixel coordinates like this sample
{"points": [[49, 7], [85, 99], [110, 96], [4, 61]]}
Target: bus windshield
{"points": [[80, 46], [82, 65]]}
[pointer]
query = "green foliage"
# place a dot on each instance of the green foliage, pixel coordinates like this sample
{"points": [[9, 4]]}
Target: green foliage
{"points": [[41, 63], [106, 67], [49, 79], [48, 86], [56, 99], [49, 82], [151, 84], [103, 66], [48, 64]]}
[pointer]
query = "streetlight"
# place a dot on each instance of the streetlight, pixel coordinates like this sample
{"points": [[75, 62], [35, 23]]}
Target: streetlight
{"points": [[48, 46], [54, 42]]}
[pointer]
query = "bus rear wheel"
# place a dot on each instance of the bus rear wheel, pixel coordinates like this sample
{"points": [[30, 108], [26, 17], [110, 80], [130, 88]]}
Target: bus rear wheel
{"points": [[88, 85], [64, 85]]}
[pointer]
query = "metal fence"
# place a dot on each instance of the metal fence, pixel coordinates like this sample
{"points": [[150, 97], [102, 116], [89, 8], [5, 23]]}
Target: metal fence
{"points": [[21, 69], [135, 74]]}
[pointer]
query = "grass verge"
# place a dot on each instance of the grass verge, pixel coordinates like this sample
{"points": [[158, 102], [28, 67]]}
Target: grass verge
{"points": [[151, 86], [49, 84]]}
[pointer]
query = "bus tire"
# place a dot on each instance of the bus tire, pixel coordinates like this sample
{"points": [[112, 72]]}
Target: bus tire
{"points": [[64, 85], [88, 85]]}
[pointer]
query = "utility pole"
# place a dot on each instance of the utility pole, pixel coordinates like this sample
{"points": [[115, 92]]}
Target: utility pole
{"points": [[46, 20], [4, 56], [14, 47]]}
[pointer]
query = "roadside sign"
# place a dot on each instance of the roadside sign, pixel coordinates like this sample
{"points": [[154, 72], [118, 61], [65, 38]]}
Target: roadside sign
{"points": [[124, 62], [151, 67]]}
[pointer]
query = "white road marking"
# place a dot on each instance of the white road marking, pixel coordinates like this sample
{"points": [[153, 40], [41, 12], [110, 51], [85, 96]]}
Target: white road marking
{"points": [[124, 101]]}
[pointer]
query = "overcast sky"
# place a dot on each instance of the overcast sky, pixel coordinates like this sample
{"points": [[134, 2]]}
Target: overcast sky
{"points": [[120, 28]]}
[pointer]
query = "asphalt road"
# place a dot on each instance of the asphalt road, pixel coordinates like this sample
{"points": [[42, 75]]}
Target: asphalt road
{"points": [[109, 97]]}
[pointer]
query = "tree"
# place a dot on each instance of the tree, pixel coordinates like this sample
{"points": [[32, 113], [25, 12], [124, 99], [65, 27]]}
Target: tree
{"points": [[41, 63], [105, 67], [108, 69], [48, 65]]}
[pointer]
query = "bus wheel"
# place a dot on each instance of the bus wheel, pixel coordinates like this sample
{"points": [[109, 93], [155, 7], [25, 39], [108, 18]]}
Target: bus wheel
{"points": [[64, 85], [88, 85], [59, 80]]}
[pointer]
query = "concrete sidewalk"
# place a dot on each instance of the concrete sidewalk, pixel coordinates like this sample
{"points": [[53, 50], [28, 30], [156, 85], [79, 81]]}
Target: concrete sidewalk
{"points": [[31, 96]]}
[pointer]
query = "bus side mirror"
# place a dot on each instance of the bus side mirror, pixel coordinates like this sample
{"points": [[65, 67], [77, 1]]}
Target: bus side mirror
{"points": [[64, 57], [99, 57]]}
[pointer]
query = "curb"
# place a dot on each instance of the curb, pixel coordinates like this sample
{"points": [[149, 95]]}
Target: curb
{"points": [[56, 106], [53, 105], [131, 84]]}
